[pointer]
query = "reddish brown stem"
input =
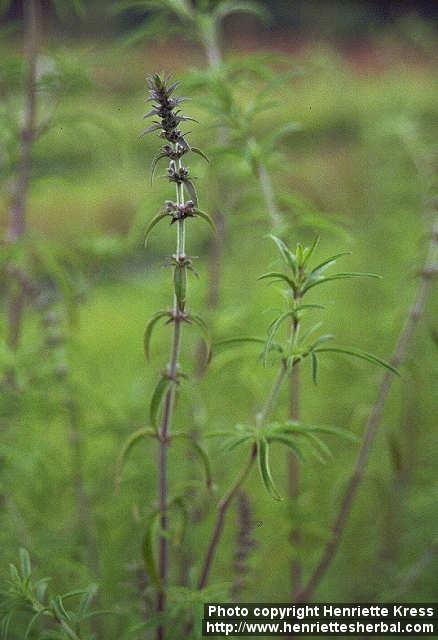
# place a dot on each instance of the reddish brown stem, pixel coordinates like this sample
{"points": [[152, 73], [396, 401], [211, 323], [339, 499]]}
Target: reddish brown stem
{"points": [[220, 519], [226, 501], [374, 419], [169, 404]]}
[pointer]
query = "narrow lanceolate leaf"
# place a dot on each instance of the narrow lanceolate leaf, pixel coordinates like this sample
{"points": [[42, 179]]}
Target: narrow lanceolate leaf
{"points": [[296, 428], [148, 552], [304, 307], [152, 224], [138, 436], [199, 322], [235, 442], [154, 164], [336, 431], [161, 389], [309, 252], [150, 327], [202, 455], [30, 625], [363, 355], [227, 7], [199, 153], [337, 276], [329, 261], [276, 276], [314, 359], [222, 345], [287, 255], [264, 468], [86, 600], [320, 450], [191, 190], [57, 606], [208, 219], [273, 332], [289, 443]]}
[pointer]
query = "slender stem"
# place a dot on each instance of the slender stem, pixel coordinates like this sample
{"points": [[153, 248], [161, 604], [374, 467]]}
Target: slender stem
{"points": [[273, 396], [17, 211], [294, 466], [268, 194], [220, 519], [214, 58], [413, 316], [226, 501], [169, 404], [85, 522], [213, 52]]}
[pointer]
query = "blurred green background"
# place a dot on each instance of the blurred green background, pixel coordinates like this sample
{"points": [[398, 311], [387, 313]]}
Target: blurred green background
{"points": [[363, 92]]}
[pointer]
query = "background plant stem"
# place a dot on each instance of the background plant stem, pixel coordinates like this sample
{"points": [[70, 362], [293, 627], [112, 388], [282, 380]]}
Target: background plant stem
{"points": [[269, 196], [294, 483], [17, 211], [414, 314]]}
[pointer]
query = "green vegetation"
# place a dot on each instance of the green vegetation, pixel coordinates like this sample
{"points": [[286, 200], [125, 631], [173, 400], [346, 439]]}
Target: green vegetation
{"points": [[299, 146]]}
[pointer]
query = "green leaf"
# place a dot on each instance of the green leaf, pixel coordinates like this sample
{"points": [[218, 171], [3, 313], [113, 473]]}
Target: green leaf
{"points": [[232, 342], [287, 255], [57, 605], [329, 261], [155, 162], [289, 443], [153, 222], [199, 153], [235, 442], [208, 219], [191, 190], [315, 365], [303, 307], [294, 427], [30, 625], [356, 353], [322, 339], [320, 445], [199, 322], [309, 251], [25, 565], [273, 332], [87, 599], [277, 275], [15, 576], [130, 443], [227, 7], [150, 327], [161, 389], [264, 468], [337, 276], [202, 455], [148, 551], [343, 433]]}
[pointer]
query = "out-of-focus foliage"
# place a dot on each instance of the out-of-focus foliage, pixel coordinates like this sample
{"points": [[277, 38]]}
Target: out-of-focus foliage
{"points": [[351, 165]]}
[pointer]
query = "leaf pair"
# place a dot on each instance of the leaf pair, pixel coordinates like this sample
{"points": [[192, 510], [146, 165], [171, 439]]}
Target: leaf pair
{"points": [[197, 213], [189, 318]]}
